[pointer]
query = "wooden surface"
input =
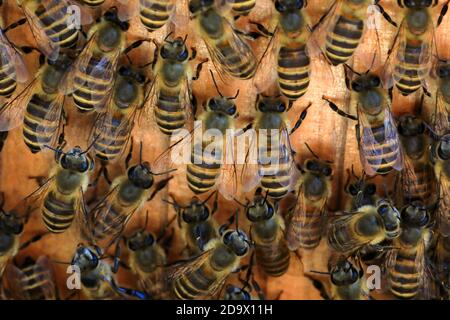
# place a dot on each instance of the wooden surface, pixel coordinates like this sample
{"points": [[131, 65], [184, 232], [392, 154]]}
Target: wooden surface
{"points": [[331, 136]]}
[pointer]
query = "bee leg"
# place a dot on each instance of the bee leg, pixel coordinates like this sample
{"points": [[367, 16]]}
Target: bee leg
{"points": [[336, 109], [390, 93], [300, 119], [193, 54], [443, 13], [385, 14], [15, 25], [159, 186], [199, 69], [252, 35], [33, 240], [426, 92], [262, 31], [133, 46], [129, 155]]}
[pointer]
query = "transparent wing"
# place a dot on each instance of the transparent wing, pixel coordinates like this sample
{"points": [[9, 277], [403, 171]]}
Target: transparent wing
{"points": [[410, 182], [443, 206], [396, 51], [13, 111], [44, 275], [440, 116], [9, 54], [250, 175], [15, 278], [227, 181]]}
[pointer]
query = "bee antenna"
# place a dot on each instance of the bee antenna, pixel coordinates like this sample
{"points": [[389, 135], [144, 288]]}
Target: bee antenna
{"points": [[310, 150], [351, 69], [240, 203], [61, 262], [236, 95], [265, 198], [215, 83], [319, 272], [168, 35], [237, 220], [91, 145], [140, 152], [54, 149], [185, 38], [163, 173], [209, 197], [146, 221]]}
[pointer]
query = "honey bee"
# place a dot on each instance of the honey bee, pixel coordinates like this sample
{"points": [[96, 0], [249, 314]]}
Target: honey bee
{"points": [[204, 276], [410, 57], [274, 164], [441, 118], [49, 24], [230, 54], [93, 74], [407, 270], [112, 128], [148, 260], [440, 156], [210, 159], [348, 282], [345, 26], [171, 89], [379, 146], [40, 106], [196, 223], [267, 233], [61, 196], [314, 189], [96, 276], [361, 192], [32, 280], [242, 7], [154, 14], [417, 176], [368, 225], [127, 194]]}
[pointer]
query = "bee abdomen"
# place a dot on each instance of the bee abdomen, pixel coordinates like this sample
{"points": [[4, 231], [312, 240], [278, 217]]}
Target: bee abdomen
{"points": [[343, 40], [155, 13], [110, 143], [276, 177], [192, 285], [236, 64], [273, 259], [293, 71], [404, 276], [410, 71], [58, 214], [7, 78], [33, 282], [169, 114], [33, 131], [111, 224], [243, 7], [203, 171]]}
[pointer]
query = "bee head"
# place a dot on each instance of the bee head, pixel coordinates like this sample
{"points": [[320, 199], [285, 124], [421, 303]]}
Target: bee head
{"points": [[365, 82], [443, 69], [110, 34], [270, 104], [10, 223], [344, 273], [223, 105], [196, 6], [235, 293], [175, 50], [288, 5], [111, 15], [237, 241], [391, 218], [76, 159], [141, 175], [195, 212], [318, 167], [418, 4], [410, 125], [261, 209], [415, 214], [86, 258], [368, 189], [444, 147], [140, 240]]}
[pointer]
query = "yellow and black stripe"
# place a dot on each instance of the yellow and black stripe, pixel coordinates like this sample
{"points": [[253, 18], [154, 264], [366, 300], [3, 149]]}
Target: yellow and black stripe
{"points": [[386, 154], [196, 283], [293, 71], [243, 7], [203, 171], [273, 258], [410, 72], [58, 211], [111, 138], [8, 81], [34, 281], [169, 113], [93, 3], [91, 90], [342, 41], [309, 227], [404, 277], [54, 17], [233, 62], [112, 224], [154, 14], [35, 115]]}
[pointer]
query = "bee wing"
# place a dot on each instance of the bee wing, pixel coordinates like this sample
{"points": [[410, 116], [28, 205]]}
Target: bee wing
{"points": [[14, 277], [397, 50], [50, 125], [250, 176], [443, 215], [49, 48], [440, 116], [409, 178], [186, 267], [37, 195], [236, 43], [369, 146], [266, 70], [227, 180], [10, 54], [13, 111], [43, 268]]}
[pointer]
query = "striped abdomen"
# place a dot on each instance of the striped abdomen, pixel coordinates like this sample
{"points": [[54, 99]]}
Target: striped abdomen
{"points": [[383, 156], [307, 227], [7, 75], [111, 137], [54, 17], [91, 86], [155, 13], [342, 41], [293, 71], [110, 222], [404, 277], [58, 212], [410, 71], [194, 284], [274, 168], [35, 283], [237, 64], [36, 113], [273, 257], [422, 188], [169, 113], [202, 176], [243, 7], [93, 3]]}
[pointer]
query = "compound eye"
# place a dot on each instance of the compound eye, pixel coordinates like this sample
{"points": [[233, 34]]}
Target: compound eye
{"points": [[371, 189], [232, 110], [356, 86], [183, 55], [312, 166], [353, 190], [299, 4], [410, 3], [164, 53], [281, 107], [383, 209], [280, 7], [376, 81], [327, 171], [64, 163], [149, 240]]}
